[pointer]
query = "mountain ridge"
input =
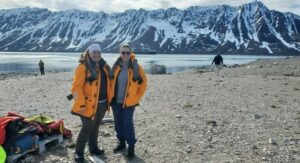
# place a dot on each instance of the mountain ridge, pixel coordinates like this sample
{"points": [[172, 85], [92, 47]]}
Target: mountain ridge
{"points": [[247, 29]]}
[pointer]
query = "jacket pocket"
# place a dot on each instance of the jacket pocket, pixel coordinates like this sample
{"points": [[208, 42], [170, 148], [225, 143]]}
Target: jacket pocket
{"points": [[89, 105]]}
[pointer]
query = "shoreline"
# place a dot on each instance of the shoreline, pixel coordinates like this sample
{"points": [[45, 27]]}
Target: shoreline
{"points": [[13, 75], [204, 68]]}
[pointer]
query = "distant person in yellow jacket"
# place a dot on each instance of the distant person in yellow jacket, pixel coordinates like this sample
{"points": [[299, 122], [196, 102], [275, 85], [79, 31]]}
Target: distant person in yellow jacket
{"points": [[128, 85], [90, 91]]}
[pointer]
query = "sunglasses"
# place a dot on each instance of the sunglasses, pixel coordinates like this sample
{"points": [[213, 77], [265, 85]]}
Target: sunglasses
{"points": [[123, 53]]}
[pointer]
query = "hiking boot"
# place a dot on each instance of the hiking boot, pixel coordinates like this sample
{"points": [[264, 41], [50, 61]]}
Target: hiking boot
{"points": [[120, 146], [130, 153], [79, 158], [97, 152]]}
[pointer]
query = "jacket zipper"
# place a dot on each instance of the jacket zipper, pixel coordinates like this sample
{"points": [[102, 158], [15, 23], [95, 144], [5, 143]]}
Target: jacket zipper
{"points": [[107, 80], [98, 91]]}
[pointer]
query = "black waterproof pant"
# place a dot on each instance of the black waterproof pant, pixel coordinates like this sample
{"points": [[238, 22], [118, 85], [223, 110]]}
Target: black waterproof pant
{"points": [[42, 70], [89, 130]]}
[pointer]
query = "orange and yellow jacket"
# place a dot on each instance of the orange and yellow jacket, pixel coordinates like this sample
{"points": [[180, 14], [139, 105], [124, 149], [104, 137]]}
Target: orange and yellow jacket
{"points": [[86, 94], [134, 91]]}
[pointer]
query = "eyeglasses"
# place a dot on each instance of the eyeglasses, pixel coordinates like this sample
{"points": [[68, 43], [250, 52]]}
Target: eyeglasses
{"points": [[123, 53]]}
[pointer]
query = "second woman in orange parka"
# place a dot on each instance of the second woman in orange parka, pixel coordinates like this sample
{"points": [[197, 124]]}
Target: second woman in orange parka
{"points": [[128, 85], [90, 90]]}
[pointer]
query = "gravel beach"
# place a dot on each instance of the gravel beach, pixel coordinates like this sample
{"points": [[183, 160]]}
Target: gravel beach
{"points": [[246, 114]]}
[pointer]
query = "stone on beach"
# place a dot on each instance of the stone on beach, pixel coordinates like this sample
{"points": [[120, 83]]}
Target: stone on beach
{"points": [[158, 69]]}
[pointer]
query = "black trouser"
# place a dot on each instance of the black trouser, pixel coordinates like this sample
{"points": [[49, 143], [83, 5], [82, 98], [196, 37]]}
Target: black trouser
{"points": [[42, 69], [89, 130]]}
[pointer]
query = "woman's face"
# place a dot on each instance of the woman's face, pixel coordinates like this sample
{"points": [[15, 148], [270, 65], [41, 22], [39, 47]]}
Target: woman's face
{"points": [[95, 55], [125, 53]]}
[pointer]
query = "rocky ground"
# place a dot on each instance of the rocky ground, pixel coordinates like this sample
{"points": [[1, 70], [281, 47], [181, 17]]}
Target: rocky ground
{"points": [[247, 114]]}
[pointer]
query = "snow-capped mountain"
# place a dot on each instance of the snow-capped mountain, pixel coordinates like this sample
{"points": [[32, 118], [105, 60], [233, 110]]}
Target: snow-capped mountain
{"points": [[248, 29]]}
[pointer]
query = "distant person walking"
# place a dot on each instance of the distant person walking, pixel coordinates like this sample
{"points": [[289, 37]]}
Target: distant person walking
{"points": [[128, 85], [218, 61], [42, 68]]}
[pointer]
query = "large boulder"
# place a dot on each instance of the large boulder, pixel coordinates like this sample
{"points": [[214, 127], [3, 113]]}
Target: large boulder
{"points": [[158, 69]]}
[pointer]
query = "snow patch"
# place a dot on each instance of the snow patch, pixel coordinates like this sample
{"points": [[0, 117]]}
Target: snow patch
{"points": [[266, 45]]}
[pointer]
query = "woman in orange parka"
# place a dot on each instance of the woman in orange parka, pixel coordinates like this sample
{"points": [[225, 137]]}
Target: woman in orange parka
{"points": [[128, 85], [90, 90]]}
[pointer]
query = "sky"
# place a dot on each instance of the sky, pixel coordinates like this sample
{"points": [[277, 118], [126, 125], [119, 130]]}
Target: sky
{"points": [[110, 6]]}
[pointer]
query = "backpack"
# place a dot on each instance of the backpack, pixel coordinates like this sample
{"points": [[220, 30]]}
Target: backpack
{"points": [[47, 125], [3, 123], [21, 144], [17, 134]]}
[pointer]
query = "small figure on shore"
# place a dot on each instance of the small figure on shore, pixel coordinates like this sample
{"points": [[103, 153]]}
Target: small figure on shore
{"points": [[218, 60], [42, 68]]}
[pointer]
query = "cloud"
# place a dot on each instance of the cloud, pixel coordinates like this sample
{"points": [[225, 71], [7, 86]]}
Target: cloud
{"points": [[121, 5]]}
